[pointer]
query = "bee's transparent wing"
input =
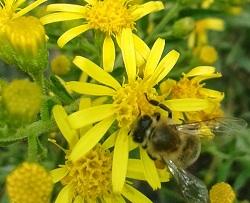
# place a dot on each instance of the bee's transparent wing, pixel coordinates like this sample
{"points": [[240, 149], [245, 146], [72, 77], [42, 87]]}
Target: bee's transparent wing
{"points": [[223, 125], [192, 188]]}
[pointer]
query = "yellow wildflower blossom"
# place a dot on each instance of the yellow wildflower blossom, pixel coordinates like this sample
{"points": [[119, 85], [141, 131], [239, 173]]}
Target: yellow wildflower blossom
{"points": [[89, 178], [127, 103], [221, 193], [10, 9], [107, 16], [29, 183], [198, 39], [191, 86], [199, 36]]}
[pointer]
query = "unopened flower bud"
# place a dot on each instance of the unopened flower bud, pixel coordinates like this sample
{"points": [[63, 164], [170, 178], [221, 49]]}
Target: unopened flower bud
{"points": [[183, 27], [23, 43]]}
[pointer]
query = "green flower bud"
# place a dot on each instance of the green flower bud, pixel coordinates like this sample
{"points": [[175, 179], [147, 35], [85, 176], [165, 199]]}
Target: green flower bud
{"points": [[22, 100], [183, 27], [23, 43]]}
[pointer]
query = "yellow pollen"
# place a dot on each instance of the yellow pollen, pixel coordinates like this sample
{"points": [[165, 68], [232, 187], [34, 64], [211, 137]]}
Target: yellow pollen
{"points": [[90, 176], [29, 183], [130, 102], [222, 193], [109, 16], [186, 88]]}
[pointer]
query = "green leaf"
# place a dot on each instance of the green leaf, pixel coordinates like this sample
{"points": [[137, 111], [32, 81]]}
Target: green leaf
{"points": [[57, 87]]}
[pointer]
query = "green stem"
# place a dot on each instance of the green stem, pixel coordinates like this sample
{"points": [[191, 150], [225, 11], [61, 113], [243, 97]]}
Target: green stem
{"points": [[32, 148], [170, 15], [40, 80]]}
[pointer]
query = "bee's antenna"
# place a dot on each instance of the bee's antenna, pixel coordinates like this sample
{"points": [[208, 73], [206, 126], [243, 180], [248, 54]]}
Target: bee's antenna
{"points": [[162, 106]]}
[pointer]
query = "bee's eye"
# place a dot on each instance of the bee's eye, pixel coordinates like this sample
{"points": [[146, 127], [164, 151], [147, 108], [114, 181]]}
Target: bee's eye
{"points": [[145, 122]]}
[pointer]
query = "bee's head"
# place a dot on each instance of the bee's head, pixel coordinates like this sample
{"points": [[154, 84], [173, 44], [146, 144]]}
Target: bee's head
{"points": [[143, 124]]}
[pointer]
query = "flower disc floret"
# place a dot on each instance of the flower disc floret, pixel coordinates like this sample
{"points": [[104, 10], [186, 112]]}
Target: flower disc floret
{"points": [[130, 101], [29, 183], [109, 16], [90, 176], [222, 193]]}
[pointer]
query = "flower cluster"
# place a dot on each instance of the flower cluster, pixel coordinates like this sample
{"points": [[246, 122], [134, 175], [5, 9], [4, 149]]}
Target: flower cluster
{"points": [[97, 105]]}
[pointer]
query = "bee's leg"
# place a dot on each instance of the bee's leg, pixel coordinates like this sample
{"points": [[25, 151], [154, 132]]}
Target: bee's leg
{"points": [[162, 106], [151, 156]]}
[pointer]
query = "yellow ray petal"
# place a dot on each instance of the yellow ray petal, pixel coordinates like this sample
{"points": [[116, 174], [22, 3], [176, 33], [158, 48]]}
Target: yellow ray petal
{"points": [[110, 141], [165, 66], [200, 78], [211, 93], [191, 40], [90, 89], [61, 16], [96, 72], [28, 8], [186, 105], [135, 169], [113, 199], [108, 54], [61, 119], [212, 24], [134, 195], [120, 161], [164, 175], [154, 57], [100, 100], [128, 53], [90, 115], [147, 8], [78, 199], [65, 195], [141, 47], [66, 8], [84, 103], [71, 34], [200, 70], [91, 138], [58, 174], [150, 170]]}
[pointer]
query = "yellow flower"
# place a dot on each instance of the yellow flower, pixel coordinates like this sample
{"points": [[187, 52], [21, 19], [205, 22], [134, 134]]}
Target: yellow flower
{"points": [[29, 183], [22, 100], [9, 10], [107, 16], [127, 102], [191, 86], [207, 54], [199, 36], [60, 65], [221, 193], [89, 178]]}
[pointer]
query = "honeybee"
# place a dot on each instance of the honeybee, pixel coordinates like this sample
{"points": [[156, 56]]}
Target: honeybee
{"points": [[179, 145]]}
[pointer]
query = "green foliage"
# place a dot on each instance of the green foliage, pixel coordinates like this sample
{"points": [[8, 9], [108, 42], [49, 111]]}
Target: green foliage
{"points": [[226, 158]]}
